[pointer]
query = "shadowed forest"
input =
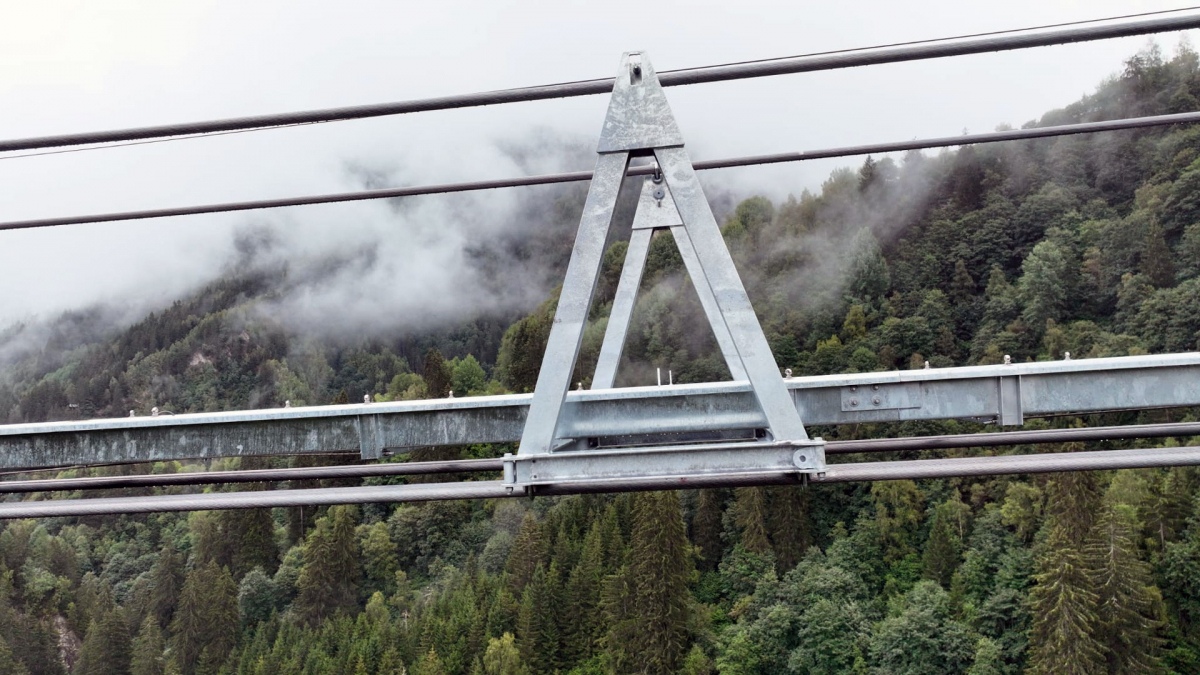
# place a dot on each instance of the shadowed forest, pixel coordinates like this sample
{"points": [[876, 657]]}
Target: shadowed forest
{"points": [[1084, 244]]}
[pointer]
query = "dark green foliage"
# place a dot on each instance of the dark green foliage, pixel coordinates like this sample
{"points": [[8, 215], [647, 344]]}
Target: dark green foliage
{"points": [[106, 650], [206, 624], [923, 638], [1127, 613], [437, 375], [941, 555], [706, 528], [328, 583], [659, 568], [147, 656], [1064, 637]]}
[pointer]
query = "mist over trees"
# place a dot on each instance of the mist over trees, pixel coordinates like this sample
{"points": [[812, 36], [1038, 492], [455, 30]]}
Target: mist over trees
{"points": [[1031, 249]]}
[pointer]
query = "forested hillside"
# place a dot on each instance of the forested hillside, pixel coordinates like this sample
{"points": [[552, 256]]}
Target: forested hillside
{"points": [[1085, 244]]}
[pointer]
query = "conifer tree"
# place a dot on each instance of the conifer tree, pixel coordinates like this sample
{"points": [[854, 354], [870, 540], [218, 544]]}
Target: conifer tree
{"points": [[897, 515], [430, 664], [706, 528], [106, 649], [166, 580], [751, 515], [537, 625], [790, 528], [328, 582], [659, 567], [1127, 623], [437, 375], [941, 553], [1073, 500], [582, 627], [148, 649], [1062, 640], [206, 623], [528, 551]]}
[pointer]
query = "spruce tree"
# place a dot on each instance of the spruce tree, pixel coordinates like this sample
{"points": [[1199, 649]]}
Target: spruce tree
{"points": [[206, 621], [430, 664], [166, 580], [750, 510], [148, 649], [537, 625], [1062, 640], [582, 626], [791, 533], [328, 582], [528, 551], [1073, 499], [437, 375], [1127, 624], [106, 649], [941, 553], [706, 528], [659, 566]]}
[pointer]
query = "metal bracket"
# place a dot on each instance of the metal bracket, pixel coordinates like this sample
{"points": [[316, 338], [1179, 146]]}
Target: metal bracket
{"points": [[1011, 410], [881, 397], [370, 438], [680, 461], [640, 120]]}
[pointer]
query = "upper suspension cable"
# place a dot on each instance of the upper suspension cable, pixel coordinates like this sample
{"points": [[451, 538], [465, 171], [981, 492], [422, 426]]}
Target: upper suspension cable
{"points": [[576, 176], [720, 73]]}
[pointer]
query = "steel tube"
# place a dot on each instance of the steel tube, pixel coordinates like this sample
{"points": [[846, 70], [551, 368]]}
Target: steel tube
{"points": [[797, 64], [251, 475], [993, 439], [578, 176], [841, 473], [1002, 438]]}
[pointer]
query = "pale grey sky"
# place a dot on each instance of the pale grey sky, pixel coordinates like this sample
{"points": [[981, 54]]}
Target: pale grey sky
{"points": [[68, 66]]}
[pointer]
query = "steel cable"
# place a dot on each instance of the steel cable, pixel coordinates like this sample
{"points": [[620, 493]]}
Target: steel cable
{"points": [[720, 73], [577, 176]]}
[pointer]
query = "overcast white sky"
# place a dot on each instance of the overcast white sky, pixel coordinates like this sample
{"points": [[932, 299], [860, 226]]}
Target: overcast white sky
{"points": [[68, 66]]}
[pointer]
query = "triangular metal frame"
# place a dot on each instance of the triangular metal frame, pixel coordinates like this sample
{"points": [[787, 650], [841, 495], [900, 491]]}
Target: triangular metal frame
{"points": [[639, 123], [656, 211]]}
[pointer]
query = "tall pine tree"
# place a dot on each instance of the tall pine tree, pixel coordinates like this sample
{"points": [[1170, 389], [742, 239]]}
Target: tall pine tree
{"points": [[659, 568], [1065, 610], [1127, 623]]}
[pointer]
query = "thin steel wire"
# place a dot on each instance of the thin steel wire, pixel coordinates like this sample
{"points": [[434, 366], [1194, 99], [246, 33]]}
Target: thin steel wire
{"points": [[734, 71], [578, 176]]}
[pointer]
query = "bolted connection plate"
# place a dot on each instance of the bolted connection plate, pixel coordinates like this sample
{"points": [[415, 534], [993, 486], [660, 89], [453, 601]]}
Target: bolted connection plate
{"points": [[679, 461]]}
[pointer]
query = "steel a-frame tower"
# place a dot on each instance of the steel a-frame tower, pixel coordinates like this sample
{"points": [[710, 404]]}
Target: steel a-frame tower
{"points": [[639, 123]]}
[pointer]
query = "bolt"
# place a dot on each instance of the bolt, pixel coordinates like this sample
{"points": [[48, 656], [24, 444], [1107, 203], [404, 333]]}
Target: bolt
{"points": [[853, 401], [853, 388], [875, 400], [876, 387]]}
